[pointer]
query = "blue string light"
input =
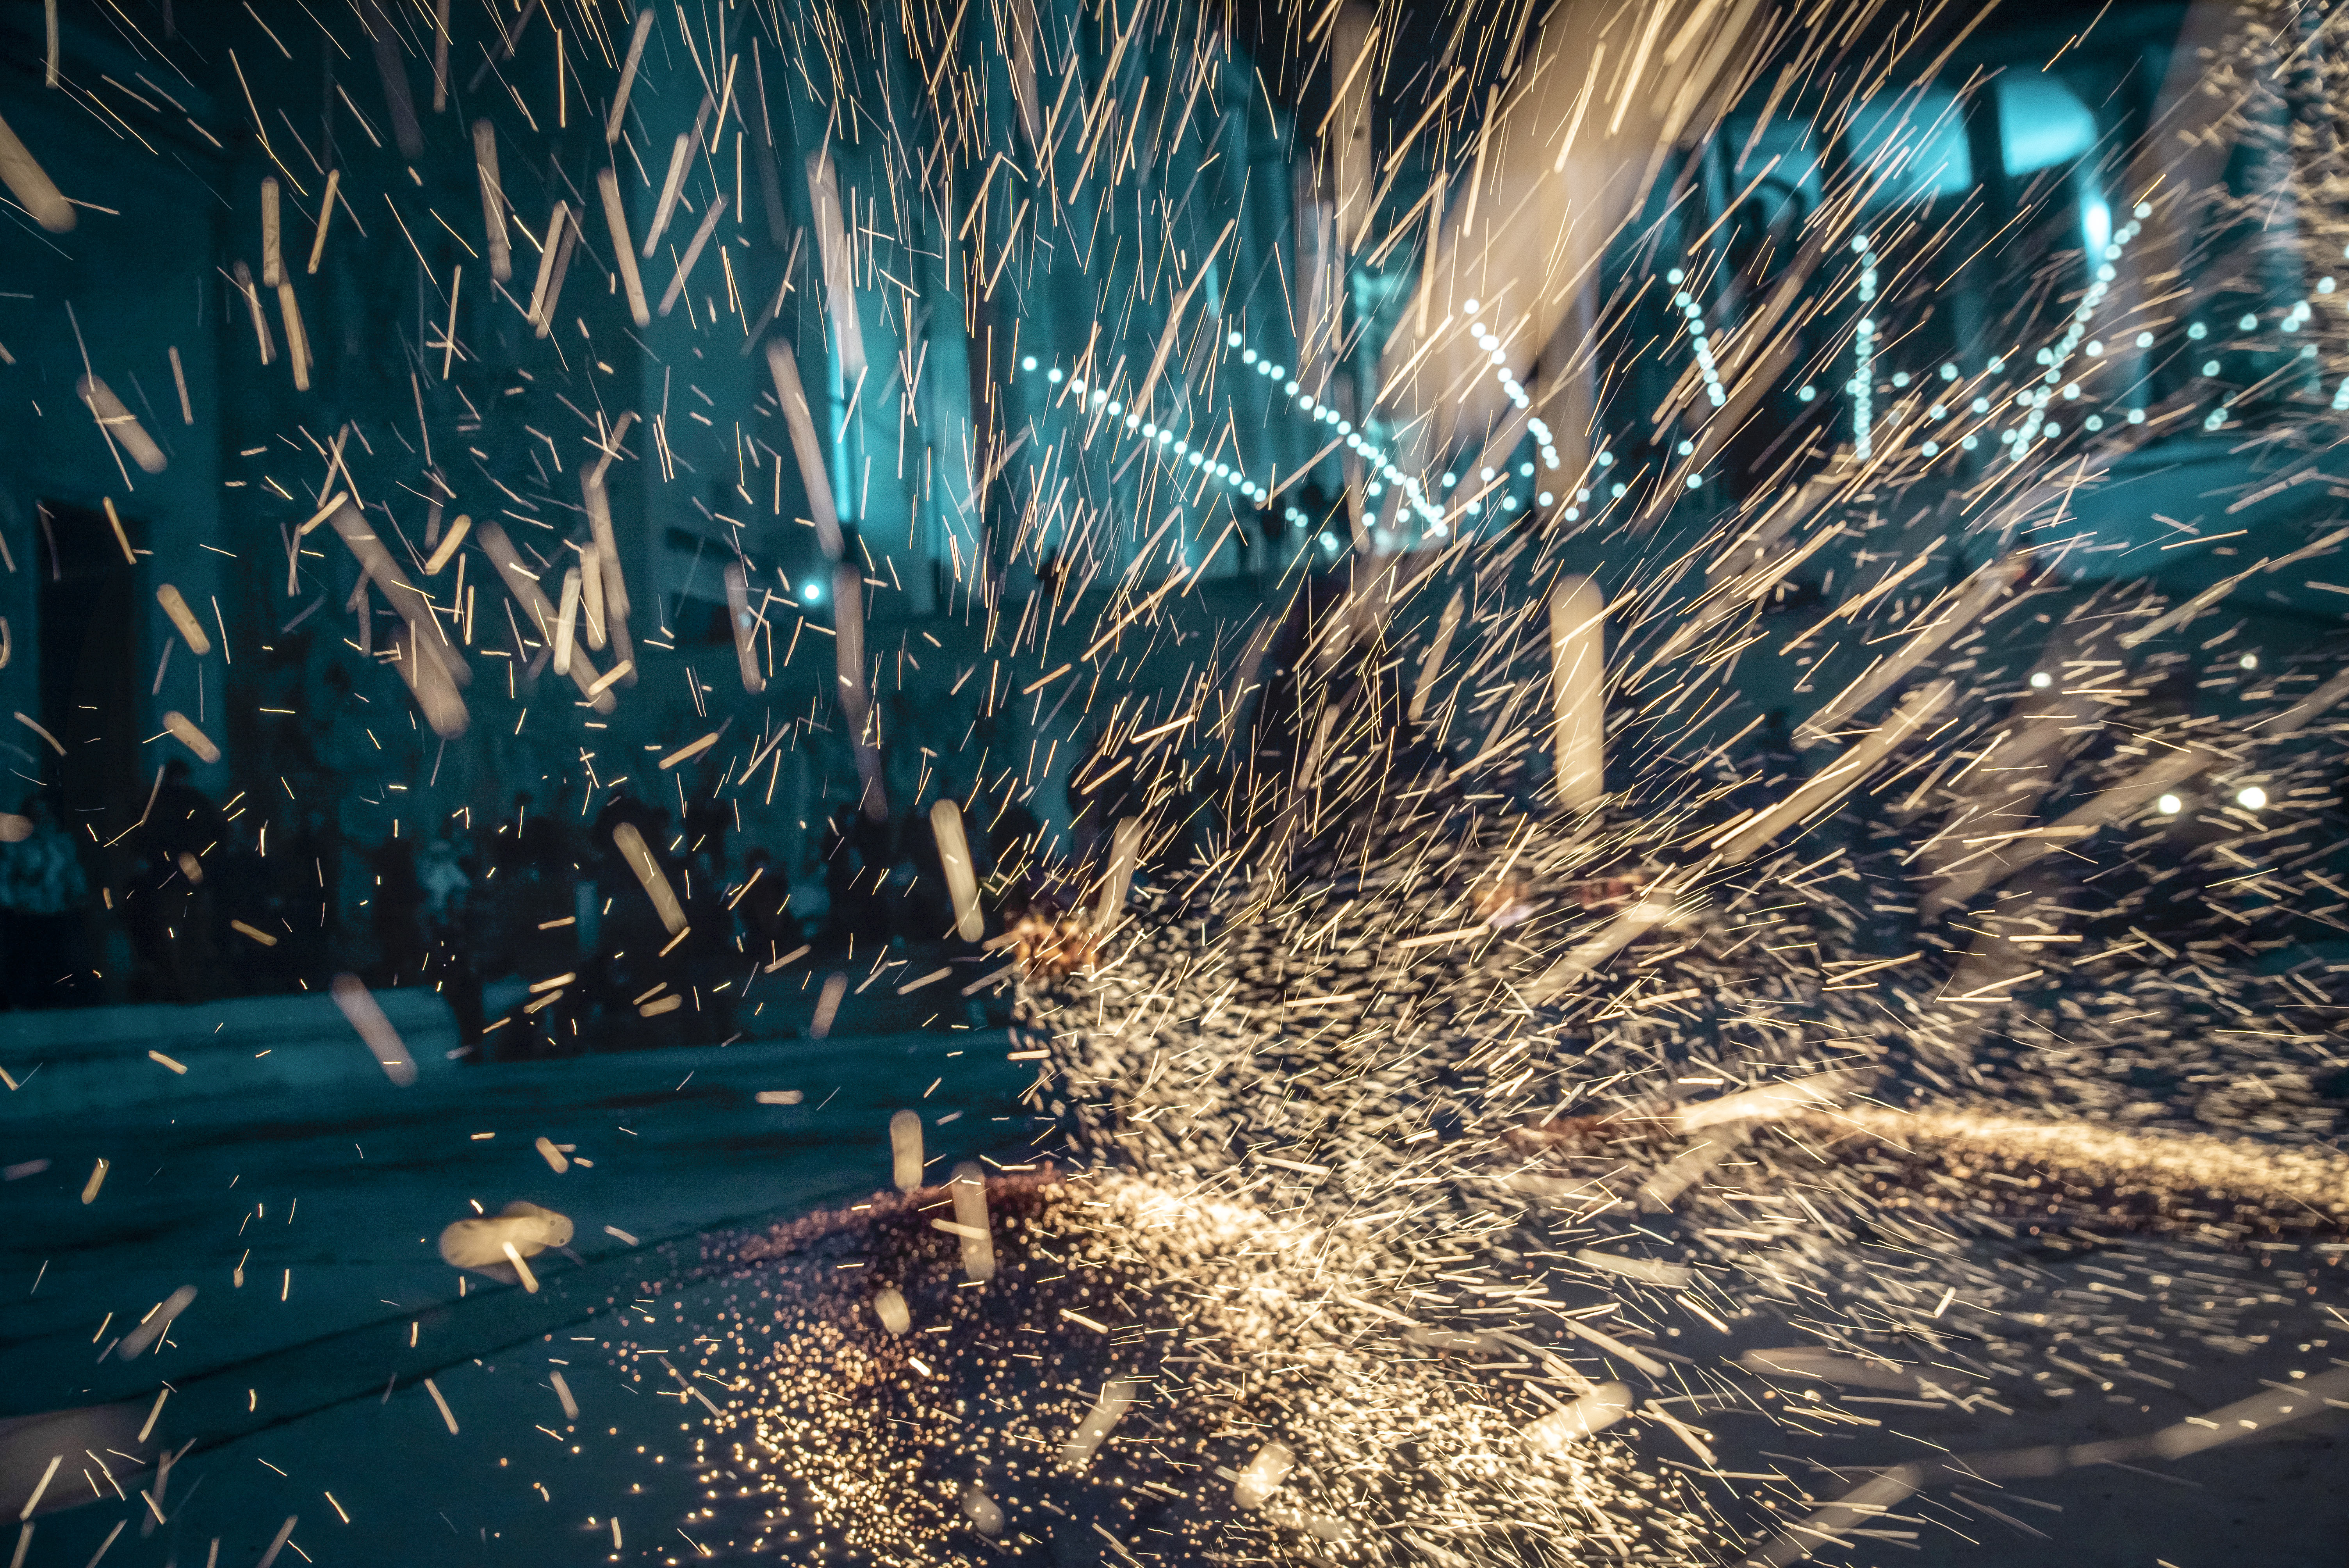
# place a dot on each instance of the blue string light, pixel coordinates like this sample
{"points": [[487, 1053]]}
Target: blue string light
{"points": [[1863, 343]]}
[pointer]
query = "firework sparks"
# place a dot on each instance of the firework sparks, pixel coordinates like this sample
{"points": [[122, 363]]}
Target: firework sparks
{"points": [[1487, 1054]]}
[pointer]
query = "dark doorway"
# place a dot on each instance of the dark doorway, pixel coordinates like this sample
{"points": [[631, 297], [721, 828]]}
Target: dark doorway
{"points": [[87, 635], [91, 661]]}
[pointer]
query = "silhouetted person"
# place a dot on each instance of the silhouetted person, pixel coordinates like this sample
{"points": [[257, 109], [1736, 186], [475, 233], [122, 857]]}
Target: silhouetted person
{"points": [[1012, 851], [1260, 539], [768, 929], [166, 904], [183, 817], [705, 821], [307, 883], [1091, 796], [631, 935], [625, 806], [856, 859], [927, 907], [396, 902], [532, 839], [811, 899], [43, 897], [451, 947], [1772, 768], [243, 889]]}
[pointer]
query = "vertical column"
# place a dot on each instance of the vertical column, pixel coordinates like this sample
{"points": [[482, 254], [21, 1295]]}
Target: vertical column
{"points": [[1578, 653]]}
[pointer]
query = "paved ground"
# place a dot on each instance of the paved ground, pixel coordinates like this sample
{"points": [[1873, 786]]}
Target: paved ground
{"points": [[363, 1460], [303, 1390], [331, 1203]]}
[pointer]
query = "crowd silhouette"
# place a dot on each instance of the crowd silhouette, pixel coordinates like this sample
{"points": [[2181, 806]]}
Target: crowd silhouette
{"points": [[201, 902]]}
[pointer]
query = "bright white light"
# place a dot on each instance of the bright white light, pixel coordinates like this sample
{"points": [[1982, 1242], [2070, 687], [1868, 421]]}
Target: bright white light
{"points": [[809, 592], [2041, 680], [1026, 362], [2170, 805], [2251, 796], [2095, 224]]}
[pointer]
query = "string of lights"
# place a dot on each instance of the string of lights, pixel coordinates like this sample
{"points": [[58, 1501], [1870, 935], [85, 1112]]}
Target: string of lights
{"points": [[2058, 359], [1863, 375], [1693, 314]]}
